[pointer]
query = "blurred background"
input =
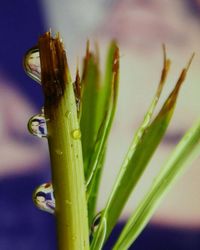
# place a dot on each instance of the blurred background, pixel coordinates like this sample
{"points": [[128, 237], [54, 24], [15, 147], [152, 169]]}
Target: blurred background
{"points": [[140, 27]]}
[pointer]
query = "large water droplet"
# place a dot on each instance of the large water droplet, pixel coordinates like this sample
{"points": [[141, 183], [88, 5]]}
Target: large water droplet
{"points": [[43, 198], [76, 134], [37, 125], [32, 64]]}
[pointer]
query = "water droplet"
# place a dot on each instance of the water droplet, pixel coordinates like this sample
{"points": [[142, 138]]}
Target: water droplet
{"points": [[42, 109], [95, 223], [32, 64], [68, 114], [37, 125], [76, 134], [68, 202], [43, 198], [58, 152]]}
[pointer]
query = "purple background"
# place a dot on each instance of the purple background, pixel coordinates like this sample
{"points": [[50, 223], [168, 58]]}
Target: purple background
{"points": [[22, 226]]}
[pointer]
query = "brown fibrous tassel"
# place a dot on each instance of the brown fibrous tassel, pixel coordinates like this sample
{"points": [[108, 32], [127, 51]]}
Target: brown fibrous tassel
{"points": [[54, 68]]}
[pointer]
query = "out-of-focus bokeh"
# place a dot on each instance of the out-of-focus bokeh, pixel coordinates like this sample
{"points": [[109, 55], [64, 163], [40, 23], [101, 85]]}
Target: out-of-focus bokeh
{"points": [[140, 27], [23, 158]]}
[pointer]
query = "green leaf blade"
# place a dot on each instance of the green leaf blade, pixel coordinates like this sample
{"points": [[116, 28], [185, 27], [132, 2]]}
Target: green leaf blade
{"points": [[186, 151], [144, 145], [107, 120], [95, 164], [89, 99]]}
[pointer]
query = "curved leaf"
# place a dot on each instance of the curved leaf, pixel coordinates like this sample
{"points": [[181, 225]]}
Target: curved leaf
{"points": [[185, 152], [144, 145]]}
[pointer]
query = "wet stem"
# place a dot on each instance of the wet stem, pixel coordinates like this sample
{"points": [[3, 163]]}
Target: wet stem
{"points": [[64, 147]]}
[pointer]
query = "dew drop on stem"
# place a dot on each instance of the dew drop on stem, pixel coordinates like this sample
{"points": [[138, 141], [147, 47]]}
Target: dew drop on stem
{"points": [[68, 114], [58, 152], [32, 64], [68, 202], [44, 199], [37, 125], [76, 134]]}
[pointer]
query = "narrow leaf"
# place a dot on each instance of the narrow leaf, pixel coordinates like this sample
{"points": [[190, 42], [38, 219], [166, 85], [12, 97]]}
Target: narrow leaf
{"points": [[92, 199], [185, 152], [106, 123], [102, 235], [88, 104], [138, 157], [105, 95], [98, 108], [148, 116]]}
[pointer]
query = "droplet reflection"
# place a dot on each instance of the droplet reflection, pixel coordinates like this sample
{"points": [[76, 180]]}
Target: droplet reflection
{"points": [[43, 198], [32, 64], [37, 125]]}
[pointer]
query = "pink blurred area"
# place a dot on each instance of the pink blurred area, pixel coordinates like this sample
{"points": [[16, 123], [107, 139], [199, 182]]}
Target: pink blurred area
{"points": [[19, 152], [141, 27]]}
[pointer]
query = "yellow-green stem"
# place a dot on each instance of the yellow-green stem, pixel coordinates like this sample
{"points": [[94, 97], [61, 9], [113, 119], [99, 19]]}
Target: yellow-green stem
{"points": [[64, 147]]}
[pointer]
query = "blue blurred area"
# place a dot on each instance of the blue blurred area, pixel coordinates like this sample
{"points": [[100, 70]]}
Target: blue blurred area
{"points": [[194, 7], [21, 23], [22, 226], [161, 238]]}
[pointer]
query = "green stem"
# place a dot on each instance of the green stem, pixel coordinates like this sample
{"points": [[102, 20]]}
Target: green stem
{"points": [[64, 147]]}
